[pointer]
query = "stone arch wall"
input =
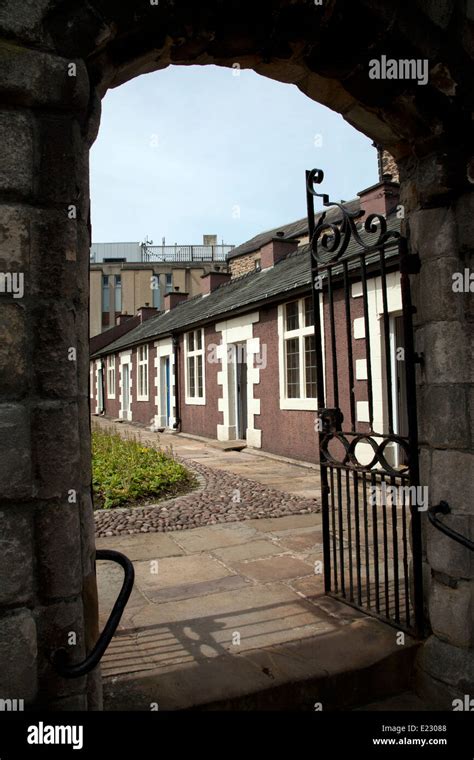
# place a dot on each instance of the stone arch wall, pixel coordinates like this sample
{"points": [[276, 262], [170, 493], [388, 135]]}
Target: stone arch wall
{"points": [[57, 59]]}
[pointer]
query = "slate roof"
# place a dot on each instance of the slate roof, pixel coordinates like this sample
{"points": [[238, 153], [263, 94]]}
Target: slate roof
{"points": [[291, 274], [292, 230]]}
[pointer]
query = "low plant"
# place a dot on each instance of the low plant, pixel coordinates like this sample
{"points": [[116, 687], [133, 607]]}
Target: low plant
{"points": [[126, 472]]}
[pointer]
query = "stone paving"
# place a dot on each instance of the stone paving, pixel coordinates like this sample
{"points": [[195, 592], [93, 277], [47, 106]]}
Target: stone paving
{"points": [[233, 611], [222, 496]]}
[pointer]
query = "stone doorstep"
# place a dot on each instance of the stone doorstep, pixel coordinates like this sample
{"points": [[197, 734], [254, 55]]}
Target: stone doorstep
{"points": [[356, 665]]}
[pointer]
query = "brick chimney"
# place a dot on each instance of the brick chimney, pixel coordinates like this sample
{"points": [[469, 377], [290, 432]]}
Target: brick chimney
{"points": [[121, 318], [381, 198], [212, 280], [277, 248], [146, 312], [174, 298]]}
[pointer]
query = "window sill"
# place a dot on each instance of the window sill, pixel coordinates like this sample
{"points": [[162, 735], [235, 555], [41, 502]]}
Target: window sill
{"points": [[299, 404], [195, 401]]}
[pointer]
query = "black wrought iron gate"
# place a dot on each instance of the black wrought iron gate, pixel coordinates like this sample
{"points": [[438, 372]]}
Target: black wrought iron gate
{"points": [[368, 446]]}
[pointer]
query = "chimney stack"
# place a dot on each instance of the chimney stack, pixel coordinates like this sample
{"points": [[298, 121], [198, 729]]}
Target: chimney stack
{"points": [[277, 248], [212, 280], [146, 312], [381, 198], [174, 298], [121, 318]]}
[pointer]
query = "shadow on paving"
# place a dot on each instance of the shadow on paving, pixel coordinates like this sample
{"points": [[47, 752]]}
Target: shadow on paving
{"points": [[234, 617]]}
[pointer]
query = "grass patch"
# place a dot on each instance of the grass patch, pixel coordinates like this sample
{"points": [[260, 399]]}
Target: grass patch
{"points": [[126, 472]]}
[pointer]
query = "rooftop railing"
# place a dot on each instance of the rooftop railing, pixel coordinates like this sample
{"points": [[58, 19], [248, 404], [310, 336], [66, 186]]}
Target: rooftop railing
{"points": [[182, 253]]}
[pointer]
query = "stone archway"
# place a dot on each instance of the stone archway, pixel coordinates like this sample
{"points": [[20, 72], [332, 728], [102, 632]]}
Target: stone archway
{"points": [[57, 59]]}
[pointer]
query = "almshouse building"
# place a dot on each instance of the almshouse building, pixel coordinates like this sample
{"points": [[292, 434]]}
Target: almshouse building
{"points": [[237, 362]]}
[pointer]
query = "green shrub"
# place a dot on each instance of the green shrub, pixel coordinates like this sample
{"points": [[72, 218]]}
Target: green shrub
{"points": [[127, 472]]}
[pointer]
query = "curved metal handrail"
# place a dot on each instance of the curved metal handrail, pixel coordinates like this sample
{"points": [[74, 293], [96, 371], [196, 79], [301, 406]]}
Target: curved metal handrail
{"points": [[60, 657], [444, 509]]}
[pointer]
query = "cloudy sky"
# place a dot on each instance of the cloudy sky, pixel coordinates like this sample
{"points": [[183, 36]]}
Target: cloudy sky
{"points": [[194, 150]]}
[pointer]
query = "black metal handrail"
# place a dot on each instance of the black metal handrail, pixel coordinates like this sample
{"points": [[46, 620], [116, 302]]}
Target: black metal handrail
{"points": [[60, 657], [444, 509]]}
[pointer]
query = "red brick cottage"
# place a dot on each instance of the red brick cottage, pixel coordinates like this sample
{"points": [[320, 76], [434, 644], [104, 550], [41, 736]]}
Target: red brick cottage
{"points": [[238, 361]]}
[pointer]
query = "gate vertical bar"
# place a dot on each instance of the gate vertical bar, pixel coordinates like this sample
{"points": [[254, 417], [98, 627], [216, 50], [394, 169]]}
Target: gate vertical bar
{"points": [[317, 302], [410, 264]]}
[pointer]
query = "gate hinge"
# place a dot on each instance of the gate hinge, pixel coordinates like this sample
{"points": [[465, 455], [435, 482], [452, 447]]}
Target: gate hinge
{"points": [[410, 264], [331, 419]]}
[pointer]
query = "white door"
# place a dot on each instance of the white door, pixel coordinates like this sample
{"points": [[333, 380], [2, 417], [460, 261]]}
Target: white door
{"points": [[100, 389], [126, 391]]}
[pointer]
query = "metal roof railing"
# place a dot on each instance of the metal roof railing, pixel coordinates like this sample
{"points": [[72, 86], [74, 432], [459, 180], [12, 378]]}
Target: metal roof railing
{"points": [[184, 253]]}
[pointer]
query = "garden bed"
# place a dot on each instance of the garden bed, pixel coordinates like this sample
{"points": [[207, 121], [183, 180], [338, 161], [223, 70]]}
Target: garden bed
{"points": [[127, 473]]}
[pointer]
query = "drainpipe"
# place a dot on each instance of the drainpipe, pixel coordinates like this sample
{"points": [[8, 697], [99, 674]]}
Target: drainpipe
{"points": [[175, 343]]}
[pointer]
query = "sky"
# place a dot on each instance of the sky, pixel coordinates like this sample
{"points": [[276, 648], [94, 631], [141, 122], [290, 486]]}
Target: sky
{"points": [[193, 150]]}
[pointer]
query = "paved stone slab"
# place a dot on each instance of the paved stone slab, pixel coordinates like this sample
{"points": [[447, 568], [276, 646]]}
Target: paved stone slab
{"points": [[142, 546], [193, 590], [301, 541], [202, 539], [109, 583], [310, 586], [251, 550], [218, 609], [268, 525], [273, 568], [175, 571]]}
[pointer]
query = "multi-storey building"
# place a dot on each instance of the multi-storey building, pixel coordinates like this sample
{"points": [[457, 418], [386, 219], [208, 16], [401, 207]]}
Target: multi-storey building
{"points": [[124, 277]]}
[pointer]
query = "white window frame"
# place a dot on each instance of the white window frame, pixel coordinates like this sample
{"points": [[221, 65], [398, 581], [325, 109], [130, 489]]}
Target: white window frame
{"points": [[142, 362], [302, 402], [196, 400], [91, 379], [111, 374]]}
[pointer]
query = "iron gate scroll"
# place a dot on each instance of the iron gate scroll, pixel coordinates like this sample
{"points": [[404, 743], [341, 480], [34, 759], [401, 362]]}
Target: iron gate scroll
{"points": [[367, 428]]}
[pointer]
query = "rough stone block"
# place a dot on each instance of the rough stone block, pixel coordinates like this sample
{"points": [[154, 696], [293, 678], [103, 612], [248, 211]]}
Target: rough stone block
{"points": [[54, 266], [62, 626], [433, 291], [62, 175], [14, 238], [76, 703], [85, 440], [446, 347], [18, 650], [452, 613], [451, 480], [15, 452], [465, 219], [56, 449], [17, 161], [443, 418], [55, 350], [16, 556], [58, 541], [471, 414], [87, 533], [448, 556], [32, 78], [13, 351], [23, 20], [433, 232], [425, 464], [444, 673], [94, 691], [439, 11]]}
